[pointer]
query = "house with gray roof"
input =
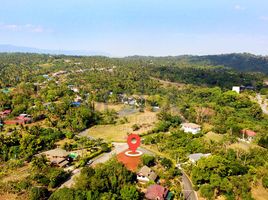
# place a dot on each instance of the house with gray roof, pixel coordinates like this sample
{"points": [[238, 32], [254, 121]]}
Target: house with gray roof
{"points": [[197, 156]]}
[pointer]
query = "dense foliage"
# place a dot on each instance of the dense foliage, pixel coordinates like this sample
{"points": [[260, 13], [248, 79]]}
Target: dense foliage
{"points": [[108, 181]]}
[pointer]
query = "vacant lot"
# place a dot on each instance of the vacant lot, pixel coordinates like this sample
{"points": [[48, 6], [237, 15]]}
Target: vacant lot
{"points": [[118, 132], [259, 193], [104, 106], [17, 174], [243, 145], [213, 136]]}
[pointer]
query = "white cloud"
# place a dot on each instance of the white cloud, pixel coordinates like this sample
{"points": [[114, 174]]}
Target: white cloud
{"points": [[239, 7], [24, 27]]}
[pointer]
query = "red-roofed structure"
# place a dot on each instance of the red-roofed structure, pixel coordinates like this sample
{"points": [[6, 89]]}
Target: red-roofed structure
{"points": [[5, 113], [156, 192], [248, 135], [131, 163]]}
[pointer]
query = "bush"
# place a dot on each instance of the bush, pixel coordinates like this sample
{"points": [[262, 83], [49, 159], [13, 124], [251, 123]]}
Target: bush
{"points": [[69, 135], [40, 193], [148, 160], [265, 181], [167, 163], [207, 191], [135, 127]]}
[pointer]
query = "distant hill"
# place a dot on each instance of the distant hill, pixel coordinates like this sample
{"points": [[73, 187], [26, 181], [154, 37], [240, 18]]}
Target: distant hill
{"points": [[19, 49], [240, 62], [244, 62]]}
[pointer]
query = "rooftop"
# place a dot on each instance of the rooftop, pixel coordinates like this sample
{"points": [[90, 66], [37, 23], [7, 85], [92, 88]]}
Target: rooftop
{"points": [[191, 125], [249, 132], [197, 156], [156, 192], [56, 153], [147, 172], [131, 163]]}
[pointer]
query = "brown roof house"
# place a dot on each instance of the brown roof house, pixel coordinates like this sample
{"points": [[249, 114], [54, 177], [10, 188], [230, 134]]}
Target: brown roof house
{"points": [[146, 174], [191, 128], [248, 135], [157, 192], [57, 157]]}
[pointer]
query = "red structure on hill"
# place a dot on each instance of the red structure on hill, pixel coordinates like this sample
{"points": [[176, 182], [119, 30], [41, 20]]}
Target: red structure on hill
{"points": [[131, 163]]}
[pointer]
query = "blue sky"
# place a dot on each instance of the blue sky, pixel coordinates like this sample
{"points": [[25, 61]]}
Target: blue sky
{"points": [[143, 27]]}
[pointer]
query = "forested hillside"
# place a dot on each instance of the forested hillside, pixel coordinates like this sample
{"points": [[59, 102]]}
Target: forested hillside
{"points": [[84, 106], [243, 62]]}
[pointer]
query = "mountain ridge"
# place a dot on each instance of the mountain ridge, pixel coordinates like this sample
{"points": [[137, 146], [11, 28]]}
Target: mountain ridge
{"points": [[8, 48]]}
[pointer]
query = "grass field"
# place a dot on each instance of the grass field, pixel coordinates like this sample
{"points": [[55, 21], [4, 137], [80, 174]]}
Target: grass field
{"points": [[243, 145], [104, 106], [213, 136], [17, 174], [118, 132]]}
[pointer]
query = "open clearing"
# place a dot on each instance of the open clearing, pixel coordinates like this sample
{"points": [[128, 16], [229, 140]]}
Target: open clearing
{"points": [[118, 132], [213, 136], [9, 196], [243, 145], [259, 193], [104, 106], [17, 174]]}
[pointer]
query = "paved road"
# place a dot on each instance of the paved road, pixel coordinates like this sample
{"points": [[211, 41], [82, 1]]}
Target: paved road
{"points": [[84, 133], [263, 104], [118, 148], [188, 190]]}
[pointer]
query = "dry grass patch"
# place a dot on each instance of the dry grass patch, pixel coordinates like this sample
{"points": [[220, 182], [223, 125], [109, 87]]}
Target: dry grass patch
{"points": [[259, 193], [9, 196], [243, 145], [118, 132], [104, 106], [17, 174], [213, 136]]}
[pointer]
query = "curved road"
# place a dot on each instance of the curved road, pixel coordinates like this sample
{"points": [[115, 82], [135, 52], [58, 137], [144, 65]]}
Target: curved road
{"points": [[188, 191], [262, 103], [118, 148]]}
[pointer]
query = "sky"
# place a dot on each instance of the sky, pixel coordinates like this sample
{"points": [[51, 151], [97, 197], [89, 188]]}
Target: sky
{"points": [[137, 27]]}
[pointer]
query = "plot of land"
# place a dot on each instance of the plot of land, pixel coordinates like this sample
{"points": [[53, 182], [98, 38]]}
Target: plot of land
{"points": [[243, 145], [169, 83], [259, 193], [104, 106], [10, 196], [17, 174], [213, 136], [118, 132]]}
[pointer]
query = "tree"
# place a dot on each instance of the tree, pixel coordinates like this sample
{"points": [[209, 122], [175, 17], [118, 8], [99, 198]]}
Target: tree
{"points": [[129, 192], [265, 181], [167, 163], [148, 160], [40, 193], [207, 191], [39, 163]]}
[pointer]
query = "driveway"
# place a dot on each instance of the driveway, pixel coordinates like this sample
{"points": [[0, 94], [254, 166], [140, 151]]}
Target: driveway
{"points": [[118, 148], [188, 190], [263, 104]]}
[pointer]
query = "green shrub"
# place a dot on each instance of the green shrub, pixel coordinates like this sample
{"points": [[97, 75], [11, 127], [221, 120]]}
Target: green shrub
{"points": [[38, 193], [265, 181]]}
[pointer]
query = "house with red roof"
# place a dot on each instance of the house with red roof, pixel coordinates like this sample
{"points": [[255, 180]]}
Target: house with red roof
{"points": [[5, 113], [158, 192], [248, 135]]}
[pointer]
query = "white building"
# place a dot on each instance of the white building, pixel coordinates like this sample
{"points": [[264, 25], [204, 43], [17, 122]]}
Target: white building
{"points": [[191, 128], [236, 89], [146, 174]]}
